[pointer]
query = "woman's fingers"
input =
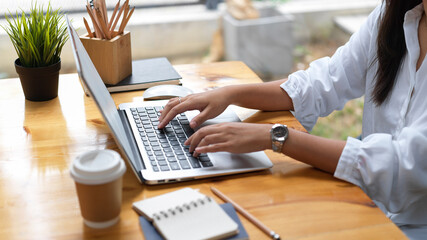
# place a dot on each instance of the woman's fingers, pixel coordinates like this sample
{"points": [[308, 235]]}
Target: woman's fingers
{"points": [[174, 107], [216, 142], [195, 139], [209, 135], [171, 103], [230, 137], [210, 104]]}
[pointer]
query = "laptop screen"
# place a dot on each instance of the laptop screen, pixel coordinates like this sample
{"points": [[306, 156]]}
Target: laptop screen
{"points": [[96, 87]]}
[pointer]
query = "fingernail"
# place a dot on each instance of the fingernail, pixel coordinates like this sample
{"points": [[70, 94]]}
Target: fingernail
{"points": [[193, 124]]}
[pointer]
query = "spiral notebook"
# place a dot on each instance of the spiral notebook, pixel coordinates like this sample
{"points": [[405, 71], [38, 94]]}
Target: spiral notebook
{"points": [[150, 232], [187, 214]]}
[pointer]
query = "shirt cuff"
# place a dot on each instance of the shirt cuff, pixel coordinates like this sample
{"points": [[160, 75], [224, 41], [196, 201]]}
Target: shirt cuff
{"points": [[347, 165], [292, 88]]}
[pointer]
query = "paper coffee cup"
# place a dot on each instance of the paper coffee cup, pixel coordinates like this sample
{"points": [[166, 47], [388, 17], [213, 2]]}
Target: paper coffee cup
{"points": [[98, 178]]}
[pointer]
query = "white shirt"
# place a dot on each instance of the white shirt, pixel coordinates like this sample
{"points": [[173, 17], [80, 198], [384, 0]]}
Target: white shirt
{"points": [[390, 163]]}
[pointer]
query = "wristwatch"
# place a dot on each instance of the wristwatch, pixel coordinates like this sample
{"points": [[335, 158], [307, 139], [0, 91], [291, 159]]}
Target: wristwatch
{"points": [[279, 133]]}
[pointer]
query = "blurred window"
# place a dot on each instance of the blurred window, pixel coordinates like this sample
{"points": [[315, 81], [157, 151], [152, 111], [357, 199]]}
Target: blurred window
{"points": [[79, 6]]}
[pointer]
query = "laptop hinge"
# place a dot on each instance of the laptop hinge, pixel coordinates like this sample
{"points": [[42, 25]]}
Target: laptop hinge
{"points": [[136, 161]]}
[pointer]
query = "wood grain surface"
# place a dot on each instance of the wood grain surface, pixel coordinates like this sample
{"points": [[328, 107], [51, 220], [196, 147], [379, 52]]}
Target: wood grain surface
{"points": [[39, 140]]}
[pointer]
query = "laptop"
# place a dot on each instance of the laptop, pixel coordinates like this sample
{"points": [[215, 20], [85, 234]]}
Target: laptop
{"points": [[158, 156]]}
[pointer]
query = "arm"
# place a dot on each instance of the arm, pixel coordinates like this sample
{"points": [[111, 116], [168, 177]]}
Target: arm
{"points": [[264, 96], [319, 152], [391, 171]]}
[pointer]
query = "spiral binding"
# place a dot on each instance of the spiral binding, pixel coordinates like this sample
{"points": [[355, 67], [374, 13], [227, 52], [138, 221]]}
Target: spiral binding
{"points": [[180, 209]]}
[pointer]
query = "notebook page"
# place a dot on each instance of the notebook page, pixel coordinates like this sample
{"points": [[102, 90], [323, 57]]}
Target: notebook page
{"points": [[149, 207], [201, 219]]}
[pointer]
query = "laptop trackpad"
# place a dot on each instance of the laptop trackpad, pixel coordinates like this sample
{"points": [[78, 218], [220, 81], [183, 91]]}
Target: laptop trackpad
{"points": [[225, 160]]}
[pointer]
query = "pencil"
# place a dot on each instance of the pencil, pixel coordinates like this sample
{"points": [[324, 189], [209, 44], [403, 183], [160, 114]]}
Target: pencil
{"points": [[98, 5], [117, 19], [88, 28], [94, 22], [98, 23], [102, 23], [112, 16], [126, 22], [125, 13], [246, 214], [104, 11], [95, 33]]}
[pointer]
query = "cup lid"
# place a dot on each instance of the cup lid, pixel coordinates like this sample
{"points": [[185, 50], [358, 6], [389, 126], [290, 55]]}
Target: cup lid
{"points": [[97, 167]]}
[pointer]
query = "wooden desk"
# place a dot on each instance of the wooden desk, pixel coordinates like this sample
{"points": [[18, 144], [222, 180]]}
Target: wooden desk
{"points": [[39, 140]]}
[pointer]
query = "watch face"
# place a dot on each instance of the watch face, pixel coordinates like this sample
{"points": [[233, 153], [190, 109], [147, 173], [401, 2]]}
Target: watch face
{"points": [[280, 132]]}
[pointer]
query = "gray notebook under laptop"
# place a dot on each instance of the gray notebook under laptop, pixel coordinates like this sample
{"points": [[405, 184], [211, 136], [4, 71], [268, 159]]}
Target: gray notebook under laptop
{"points": [[147, 73], [158, 156]]}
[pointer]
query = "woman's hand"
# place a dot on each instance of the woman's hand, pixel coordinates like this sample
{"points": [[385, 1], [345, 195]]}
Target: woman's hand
{"points": [[210, 104], [234, 137]]}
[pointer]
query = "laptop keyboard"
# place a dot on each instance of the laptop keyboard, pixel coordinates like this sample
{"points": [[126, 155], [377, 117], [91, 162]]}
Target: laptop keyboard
{"points": [[165, 148]]}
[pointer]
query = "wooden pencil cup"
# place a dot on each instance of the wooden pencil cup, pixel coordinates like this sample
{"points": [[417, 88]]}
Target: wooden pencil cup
{"points": [[112, 58]]}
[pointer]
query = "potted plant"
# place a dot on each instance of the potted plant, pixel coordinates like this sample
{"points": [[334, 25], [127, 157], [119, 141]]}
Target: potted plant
{"points": [[38, 38]]}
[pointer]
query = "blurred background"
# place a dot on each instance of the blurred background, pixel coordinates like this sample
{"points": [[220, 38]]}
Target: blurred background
{"points": [[288, 35]]}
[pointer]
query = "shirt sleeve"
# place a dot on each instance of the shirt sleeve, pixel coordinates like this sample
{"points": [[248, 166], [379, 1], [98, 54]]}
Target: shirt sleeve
{"points": [[330, 82], [392, 171]]}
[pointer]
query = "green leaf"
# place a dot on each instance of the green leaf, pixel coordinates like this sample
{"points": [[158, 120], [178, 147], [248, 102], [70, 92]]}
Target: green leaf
{"points": [[37, 37]]}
